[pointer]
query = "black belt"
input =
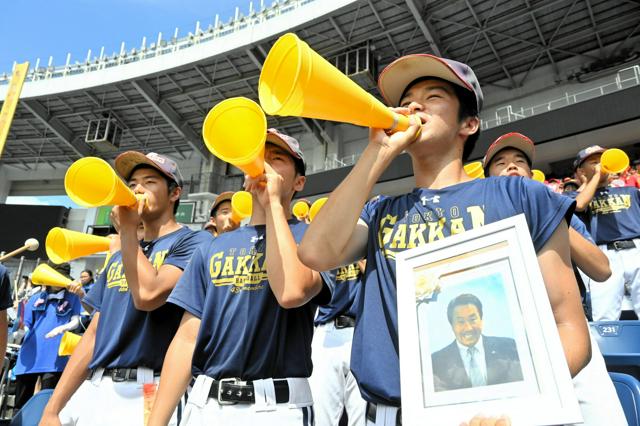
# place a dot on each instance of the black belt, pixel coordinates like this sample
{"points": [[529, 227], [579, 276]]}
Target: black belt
{"points": [[344, 321], [122, 374], [621, 245], [372, 409], [228, 391]]}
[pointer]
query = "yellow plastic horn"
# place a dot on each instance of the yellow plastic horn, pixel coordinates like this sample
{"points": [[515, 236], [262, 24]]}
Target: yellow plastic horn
{"points": [[46, 275], [475, 170], [300, 209], [316, 206], [91, 182], [538, 175], [241, 206], [235, 131], [68, 343], [296, 81], [614, 160], [63, 245]]}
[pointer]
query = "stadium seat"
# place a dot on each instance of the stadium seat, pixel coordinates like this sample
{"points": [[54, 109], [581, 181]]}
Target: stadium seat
{"points": [[628, 389], [619, 341], [31, 412]]}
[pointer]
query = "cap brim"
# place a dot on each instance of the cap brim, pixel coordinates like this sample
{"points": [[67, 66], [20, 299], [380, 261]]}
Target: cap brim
{"points": [[224, 196], [395, 78], [129, 160], [276, 140], [510, 140]]}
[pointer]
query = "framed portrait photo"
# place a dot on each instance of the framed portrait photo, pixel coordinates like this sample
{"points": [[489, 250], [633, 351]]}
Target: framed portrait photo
{"points": [[477, 334]]}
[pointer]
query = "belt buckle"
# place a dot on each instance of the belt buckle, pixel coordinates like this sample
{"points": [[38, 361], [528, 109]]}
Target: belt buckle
{"points": [[231, 380], [617, 245], [115, 376]]}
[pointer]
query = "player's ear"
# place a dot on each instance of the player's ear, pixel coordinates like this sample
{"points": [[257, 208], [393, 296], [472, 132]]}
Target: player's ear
{"points": [[298, 183]]}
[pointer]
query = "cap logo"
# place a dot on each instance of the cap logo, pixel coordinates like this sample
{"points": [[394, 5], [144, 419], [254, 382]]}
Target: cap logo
{"points": [[155, 157]]}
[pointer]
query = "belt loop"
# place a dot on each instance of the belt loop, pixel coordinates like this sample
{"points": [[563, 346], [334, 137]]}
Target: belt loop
{"points": [[200, 391], [144, 376], [299, 392], [265, 394], [96, 376]]}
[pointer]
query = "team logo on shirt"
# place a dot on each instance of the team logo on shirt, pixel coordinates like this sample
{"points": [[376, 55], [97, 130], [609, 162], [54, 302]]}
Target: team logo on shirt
{"points": [[399, 233], [240, 270], [115, 273], [612, 203], [347, 273]]}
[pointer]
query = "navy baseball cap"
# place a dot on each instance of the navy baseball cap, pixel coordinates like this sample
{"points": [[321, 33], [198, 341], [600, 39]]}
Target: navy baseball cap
{"points": [[510, 140], [395, 78], [289, 144], [127, 161], [585, 153]]}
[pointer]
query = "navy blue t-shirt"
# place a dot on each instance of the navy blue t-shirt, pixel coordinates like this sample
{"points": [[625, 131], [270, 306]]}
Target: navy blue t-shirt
{"points": [[418, 218], [127, 337], [6, 300], [347, 281], [614, 214], [244, 332]]}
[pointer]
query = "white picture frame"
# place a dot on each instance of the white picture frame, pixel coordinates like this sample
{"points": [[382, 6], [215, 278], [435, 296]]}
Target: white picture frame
{"points": [[525, 374]]}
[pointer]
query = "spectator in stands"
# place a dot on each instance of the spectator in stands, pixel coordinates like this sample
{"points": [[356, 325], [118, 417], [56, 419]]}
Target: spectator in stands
{"points": [[45, 312], [444, 99], [5, 303], [83, 285], [570, 185], [612, 216]]}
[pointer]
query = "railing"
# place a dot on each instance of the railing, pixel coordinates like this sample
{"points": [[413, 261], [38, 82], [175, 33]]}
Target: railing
{"points": [[162, 46], [623, 79]]}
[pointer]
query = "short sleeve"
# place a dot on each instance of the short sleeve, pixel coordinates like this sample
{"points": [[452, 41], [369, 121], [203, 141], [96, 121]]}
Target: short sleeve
{"points": [[543, 208], [190, 291], [370, 209], [28, 311], [76, 307], [95, 295], [5, 289], [181, 252]]}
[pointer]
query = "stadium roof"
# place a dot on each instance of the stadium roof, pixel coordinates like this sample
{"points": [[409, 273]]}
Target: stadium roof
{"points": [[160, 93]]}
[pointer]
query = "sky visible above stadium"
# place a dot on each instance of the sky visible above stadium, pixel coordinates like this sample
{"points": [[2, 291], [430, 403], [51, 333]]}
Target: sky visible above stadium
{"points": [[43, 28]]}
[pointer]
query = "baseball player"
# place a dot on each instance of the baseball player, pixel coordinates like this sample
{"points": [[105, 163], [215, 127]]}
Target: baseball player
{"points": [[512, 155], [113, 373], [443, 98], [612, 216], [251, 294], [333, 386]]}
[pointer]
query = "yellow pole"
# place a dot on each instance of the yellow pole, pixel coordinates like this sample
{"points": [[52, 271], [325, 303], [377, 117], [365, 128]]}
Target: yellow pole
{"points": [[11, 101]]}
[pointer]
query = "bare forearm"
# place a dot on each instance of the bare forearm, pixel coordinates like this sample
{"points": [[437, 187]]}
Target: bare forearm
{"points": [[291, 282], [588, 257], [324, 243], [576, 345], [140, 273], [586, 195]]}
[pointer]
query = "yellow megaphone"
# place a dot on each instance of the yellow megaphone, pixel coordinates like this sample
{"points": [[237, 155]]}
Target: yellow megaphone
{"points": [[68, 343], [474, 170], [300, 209], [91, 182], [614, 160], [46, 275], [316, 206], [241, 206], [63, 245], [538, 175], [296, 81], [235, 131]]}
